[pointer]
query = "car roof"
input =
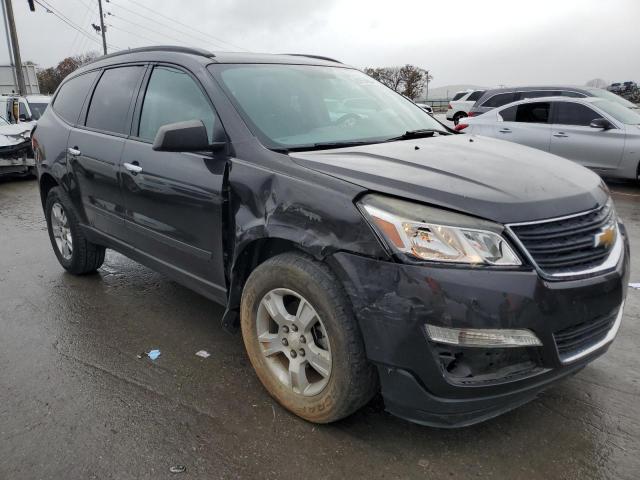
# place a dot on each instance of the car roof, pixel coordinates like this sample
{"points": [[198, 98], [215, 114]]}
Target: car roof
{"points": [[37, 97], [175, 53]]}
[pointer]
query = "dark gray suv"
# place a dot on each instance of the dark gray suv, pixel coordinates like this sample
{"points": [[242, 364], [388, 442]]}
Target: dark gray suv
{"points": [[357, 243]]}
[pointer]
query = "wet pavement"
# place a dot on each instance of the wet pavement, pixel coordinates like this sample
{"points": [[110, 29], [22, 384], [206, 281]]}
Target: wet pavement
{"points": [[77, 402]]}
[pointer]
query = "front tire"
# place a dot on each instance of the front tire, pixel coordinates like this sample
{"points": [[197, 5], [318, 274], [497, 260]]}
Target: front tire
{"points": [[303, 340], [74, 252]]}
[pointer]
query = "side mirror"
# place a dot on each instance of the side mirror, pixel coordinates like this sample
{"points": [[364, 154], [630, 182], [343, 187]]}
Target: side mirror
{"points": [[189, 136], [601, 123]]}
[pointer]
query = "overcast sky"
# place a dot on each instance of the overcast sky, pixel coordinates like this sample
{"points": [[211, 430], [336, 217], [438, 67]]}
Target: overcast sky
{"points": [[478, 42]]}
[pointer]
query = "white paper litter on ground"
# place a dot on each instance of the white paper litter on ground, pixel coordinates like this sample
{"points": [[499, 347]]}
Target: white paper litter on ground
{"points": [[203, 354], [635, 285]]}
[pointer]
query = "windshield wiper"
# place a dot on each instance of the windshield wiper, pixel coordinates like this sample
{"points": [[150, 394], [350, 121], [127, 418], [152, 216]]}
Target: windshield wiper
{"points": [[328, 145], [421, 133]]}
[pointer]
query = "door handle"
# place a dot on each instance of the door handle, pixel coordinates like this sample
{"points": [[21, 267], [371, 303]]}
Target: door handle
{"points": [[133, 168], [74, 151], [505, 130], [560, 135]]}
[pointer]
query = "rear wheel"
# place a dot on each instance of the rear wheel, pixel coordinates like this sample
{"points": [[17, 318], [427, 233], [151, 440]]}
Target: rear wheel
{"points": [[458, 116], [303, 340], [75, 253]]}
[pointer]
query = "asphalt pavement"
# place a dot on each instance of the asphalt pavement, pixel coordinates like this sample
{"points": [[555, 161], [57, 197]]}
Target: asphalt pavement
{"points": [[76, 402]]}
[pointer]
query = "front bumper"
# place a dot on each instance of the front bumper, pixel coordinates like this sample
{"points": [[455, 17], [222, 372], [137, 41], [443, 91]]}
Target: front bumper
{"points": [[447, 386]]}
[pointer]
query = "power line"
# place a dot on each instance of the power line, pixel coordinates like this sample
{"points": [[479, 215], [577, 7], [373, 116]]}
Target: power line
{"points": [[133, 34], [173, 20], [69, 22], [146, 17], [162, 34]]}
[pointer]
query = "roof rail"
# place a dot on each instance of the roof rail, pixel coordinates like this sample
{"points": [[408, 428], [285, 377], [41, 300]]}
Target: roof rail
{"points": [[317, 57], [160, 48]]}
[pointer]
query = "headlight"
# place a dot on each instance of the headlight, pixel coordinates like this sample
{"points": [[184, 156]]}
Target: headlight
{"points": [[433, 234]]}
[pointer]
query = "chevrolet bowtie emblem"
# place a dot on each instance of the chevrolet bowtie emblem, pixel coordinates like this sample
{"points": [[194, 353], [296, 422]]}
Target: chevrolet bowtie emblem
{"points": [[605, 237]]}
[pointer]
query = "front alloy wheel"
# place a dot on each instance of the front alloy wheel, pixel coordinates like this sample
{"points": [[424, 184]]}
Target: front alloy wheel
{"points": [[294, 341], [303, 340]]}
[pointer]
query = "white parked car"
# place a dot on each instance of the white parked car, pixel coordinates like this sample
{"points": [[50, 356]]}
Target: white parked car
{"points": [[461, 103], [592, 131], [15, 148]]}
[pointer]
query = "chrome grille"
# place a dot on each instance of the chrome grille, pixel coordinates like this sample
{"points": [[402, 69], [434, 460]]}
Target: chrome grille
{"points": [[568, 245]]}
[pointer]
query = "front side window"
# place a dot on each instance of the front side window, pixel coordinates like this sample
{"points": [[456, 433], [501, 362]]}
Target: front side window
{"points": [[70, 97], [537, 112], [112, 99], [569, 113], [172, 96], [300, 106]]}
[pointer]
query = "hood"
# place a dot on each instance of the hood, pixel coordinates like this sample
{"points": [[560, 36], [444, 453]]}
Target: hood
{"points": [[17, 131], [493, 179]]}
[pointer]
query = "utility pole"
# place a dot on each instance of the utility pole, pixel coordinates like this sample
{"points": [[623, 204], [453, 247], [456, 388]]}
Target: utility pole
{"points": [[22, 89], [104, 34]]}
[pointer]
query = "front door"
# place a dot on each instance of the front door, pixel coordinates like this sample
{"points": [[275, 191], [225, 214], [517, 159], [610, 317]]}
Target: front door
{"points": [[573, 138], [173, 200], [96, 144]]}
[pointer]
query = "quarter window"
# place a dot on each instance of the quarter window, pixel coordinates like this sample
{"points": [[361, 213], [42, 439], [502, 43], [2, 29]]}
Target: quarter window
{"points": [[173, 96], [475, 96], [70, 97], [458, 96], [112, 99], [500, 100], [569, 113]]}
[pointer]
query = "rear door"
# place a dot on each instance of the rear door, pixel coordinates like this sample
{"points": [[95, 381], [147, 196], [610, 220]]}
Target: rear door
{"points": [[173, 200], [573, 138], [526, 124], [95, 146]]}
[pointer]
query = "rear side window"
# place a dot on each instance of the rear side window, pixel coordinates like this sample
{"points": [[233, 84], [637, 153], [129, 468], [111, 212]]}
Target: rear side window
{"points": [[475, 96], [69, 100], [527, 113], [568, 113], [112, 99], [500, 100], [173, 96], [459, 95]]}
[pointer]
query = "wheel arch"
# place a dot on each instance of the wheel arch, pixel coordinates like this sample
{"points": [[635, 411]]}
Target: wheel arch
{"points": [[250, 256], [47, 182]]}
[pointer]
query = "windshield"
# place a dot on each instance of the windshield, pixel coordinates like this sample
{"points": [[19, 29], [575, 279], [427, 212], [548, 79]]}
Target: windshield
{"points": [[297, 106], [37, 109], [598, 92], [617, 111]]}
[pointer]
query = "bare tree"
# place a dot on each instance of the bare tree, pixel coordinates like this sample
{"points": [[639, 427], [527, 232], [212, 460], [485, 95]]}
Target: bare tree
{"points": [[51, 77], [408, 80], [597, 83]]}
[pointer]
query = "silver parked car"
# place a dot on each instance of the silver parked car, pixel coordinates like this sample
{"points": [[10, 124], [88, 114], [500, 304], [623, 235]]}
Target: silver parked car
{"points": [[592, 131]]}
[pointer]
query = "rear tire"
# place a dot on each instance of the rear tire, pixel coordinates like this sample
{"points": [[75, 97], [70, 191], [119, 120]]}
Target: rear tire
{"points": [[291, 303], [74, 252], [458, 116]]}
